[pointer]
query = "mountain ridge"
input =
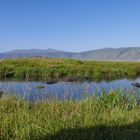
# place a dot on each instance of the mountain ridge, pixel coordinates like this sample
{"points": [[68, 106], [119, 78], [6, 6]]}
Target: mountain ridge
{"points": [[116, 54]]}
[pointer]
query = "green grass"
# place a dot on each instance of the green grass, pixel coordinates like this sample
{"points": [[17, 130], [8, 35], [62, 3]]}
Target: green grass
{"points": [[115, 116], [56, 68]]}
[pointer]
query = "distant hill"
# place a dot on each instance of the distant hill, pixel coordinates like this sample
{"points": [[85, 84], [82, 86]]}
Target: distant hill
{"points": [[118, 54]]}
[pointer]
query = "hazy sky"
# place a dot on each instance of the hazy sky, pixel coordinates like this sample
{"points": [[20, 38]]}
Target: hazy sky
{"points": [[72, 25]]}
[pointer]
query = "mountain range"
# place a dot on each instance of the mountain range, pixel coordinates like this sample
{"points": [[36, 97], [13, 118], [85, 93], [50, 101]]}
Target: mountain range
{"points": [[116, 54]]}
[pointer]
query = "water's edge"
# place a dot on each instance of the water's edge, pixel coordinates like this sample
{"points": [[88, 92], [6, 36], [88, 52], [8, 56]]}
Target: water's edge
{"points": [[38, 90]]}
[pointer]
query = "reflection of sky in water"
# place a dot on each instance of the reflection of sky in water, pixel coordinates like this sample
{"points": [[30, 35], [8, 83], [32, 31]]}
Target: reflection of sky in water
{"points": [[61, 90]]}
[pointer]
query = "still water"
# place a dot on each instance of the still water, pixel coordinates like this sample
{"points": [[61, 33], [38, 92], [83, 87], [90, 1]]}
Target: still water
{"points": [[62, 90]]}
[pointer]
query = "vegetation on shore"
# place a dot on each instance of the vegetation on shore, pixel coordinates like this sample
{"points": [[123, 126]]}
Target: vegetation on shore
{"points": [[113, 116], [56, 68]]}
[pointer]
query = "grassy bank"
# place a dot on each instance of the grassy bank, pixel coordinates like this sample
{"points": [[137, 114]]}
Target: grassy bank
{"points": [[110, 117], [56, 68]]}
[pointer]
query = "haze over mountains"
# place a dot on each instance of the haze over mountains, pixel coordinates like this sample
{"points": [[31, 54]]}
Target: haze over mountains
{"points": [[117, 54]]}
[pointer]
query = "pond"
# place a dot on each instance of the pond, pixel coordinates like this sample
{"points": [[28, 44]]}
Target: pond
{"points": [[34, 91]]}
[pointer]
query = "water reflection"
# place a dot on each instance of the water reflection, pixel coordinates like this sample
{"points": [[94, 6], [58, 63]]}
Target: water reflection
{"points": [[61, 90]]}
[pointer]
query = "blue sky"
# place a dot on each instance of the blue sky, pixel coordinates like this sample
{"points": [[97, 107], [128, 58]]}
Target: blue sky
{"points": [[71, 25]]}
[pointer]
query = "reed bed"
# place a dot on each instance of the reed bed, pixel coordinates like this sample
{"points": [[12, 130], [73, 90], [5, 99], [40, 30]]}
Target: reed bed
{"points": [[110, 116], [56, 68]]}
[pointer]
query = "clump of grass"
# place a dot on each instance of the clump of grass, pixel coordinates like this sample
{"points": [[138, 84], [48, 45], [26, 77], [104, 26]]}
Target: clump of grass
{"points": [[115, 115], [40, 87]]}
